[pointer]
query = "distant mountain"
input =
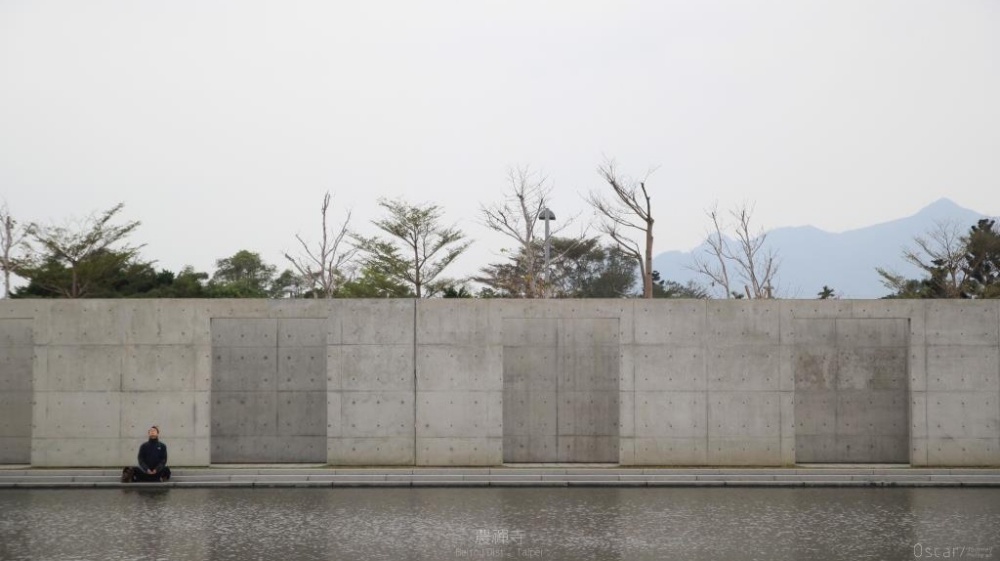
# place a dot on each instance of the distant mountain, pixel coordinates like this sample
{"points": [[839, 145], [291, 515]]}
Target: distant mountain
{"points": [[846, 261]]}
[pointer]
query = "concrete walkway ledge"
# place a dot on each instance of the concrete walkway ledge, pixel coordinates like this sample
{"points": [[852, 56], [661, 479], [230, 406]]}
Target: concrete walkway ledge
{"points": [[16, 477]]}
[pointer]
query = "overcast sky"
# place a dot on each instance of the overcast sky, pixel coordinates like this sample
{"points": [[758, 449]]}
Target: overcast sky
{"points": [[221, 124]]}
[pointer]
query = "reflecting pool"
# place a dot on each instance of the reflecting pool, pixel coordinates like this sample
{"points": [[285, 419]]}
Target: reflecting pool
{"points": [[499, 523]]}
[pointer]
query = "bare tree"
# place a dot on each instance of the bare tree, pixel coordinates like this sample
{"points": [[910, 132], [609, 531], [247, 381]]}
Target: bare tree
{"points": [[715, 268], [323, 266], [754, 263], [12, 242], [516, 217], [86, 248], [940, 253], [628, 209]]}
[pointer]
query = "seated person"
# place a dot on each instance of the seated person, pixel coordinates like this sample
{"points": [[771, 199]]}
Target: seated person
{"points": [[152, 460]]}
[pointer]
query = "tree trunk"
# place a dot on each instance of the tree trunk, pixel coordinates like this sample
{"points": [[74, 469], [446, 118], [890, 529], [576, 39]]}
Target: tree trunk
{"points": [[647, 277]]}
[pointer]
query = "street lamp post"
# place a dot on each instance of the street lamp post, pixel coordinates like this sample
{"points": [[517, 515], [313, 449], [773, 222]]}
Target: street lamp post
{"points": [[547, 215]]}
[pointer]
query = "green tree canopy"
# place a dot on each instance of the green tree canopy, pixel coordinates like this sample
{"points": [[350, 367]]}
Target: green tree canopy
{"points": [[418, 248]]}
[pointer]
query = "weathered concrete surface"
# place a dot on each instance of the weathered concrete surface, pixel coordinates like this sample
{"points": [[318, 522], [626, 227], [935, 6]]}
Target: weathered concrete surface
{"points": [[851, 390], [426, 383]]}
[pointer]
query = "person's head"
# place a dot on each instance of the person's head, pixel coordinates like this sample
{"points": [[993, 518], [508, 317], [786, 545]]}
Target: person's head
{"points": [[154, 432]]}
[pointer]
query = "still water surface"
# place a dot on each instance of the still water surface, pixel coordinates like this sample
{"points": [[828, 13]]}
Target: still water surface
{"points": [[498, 523]]}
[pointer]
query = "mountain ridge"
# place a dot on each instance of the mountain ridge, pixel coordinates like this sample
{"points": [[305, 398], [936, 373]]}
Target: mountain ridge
{"points": [[811, 257]]}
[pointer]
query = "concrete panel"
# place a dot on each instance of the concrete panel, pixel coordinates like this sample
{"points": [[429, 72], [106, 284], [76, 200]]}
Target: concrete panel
{"points": [[17, 333], [527, 332], [268, 449], [165, 368], [16, 365], [814, 332], [527, 449], [300, 448], [529, 413], [953, 322], [244, 332], [170, 322], [455, 368], [15, 450], [671, 451], [872, 368], [84, 322], [963, 452], [376, 367], [302, 369], [626, 451], [914, 311], [371, 451], [959, 415], [178, 414], [743, 415], [452, 322], [238, 414], [626, 414], [815, 368], [963, 368], [244, 369], [459, 451], [754, 322], [530, 368], [602, 449], [15, 414], [83, 415], [459, 414], [302, 414], [881, 413], [302, 332], [72, 451], [588, 332], [816, 413], [917, 365], [792, 310], [334, 415], [382, 322], [746, 368], [918, 415], [587, 413], [671, 322], [872, 332], [745, 451], [592, 368], [818, 448], [377, 414], [84, 368], [671, 415]]}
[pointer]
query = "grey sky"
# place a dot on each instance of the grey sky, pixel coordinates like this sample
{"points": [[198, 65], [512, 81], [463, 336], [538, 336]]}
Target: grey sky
{"points": [[221, 124]]}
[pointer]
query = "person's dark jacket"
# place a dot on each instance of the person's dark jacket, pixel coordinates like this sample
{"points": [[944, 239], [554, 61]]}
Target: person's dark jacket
{"points": [[152, 455]]}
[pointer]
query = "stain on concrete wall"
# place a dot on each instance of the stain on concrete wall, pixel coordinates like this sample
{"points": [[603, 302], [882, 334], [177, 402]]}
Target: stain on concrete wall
{"points": [[851, 390]]}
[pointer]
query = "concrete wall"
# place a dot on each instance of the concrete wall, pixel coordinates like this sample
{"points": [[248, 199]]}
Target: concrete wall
{"points": [[427, 383]]}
